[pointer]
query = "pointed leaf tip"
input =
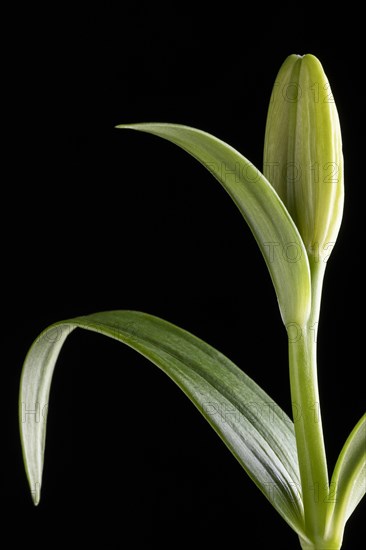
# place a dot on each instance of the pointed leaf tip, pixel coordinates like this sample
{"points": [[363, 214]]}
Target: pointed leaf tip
{"points": [[261, 207], [259, 433]]}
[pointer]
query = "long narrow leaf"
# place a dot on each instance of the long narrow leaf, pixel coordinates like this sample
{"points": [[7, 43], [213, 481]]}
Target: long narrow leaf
{"points": [[255, 429], [348, 484], [265, 213]]}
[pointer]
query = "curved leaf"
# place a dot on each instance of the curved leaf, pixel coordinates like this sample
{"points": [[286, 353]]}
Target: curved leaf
{"points": [[254, 428], [265, 213], [348, 484]]}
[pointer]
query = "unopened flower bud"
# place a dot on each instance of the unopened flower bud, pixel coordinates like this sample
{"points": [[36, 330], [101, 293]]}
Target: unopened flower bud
{"points": [[303, 151]]}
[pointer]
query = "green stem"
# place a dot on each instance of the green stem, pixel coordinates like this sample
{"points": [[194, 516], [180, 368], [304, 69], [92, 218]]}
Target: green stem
{"points": [[321, 546], [306, 413]]}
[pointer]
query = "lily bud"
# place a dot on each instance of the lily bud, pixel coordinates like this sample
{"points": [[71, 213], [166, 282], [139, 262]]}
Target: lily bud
{"points": [[303, 157]]}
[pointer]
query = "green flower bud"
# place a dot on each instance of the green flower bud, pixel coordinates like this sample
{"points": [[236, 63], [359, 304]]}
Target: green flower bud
{"points": [[303, 152]]}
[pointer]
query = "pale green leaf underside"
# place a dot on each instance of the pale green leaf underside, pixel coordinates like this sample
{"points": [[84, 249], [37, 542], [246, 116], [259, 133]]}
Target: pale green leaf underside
{"points": [[265, 213], [255, 429], [349, 477]]}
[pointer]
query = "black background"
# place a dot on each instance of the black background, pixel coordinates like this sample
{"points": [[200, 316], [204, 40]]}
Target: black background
{"points": [[97, 219]]}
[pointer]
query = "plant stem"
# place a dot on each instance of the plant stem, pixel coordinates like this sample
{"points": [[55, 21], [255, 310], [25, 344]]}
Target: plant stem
{"points": [[306, 413], [321, 546]]}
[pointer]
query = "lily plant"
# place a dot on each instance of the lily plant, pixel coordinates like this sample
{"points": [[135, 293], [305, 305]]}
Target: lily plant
{"points": [[294, 209]]}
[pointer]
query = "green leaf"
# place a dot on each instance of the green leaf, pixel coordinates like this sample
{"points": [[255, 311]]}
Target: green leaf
{"points": [[348, 484], [265, 213], [255, 429]]}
